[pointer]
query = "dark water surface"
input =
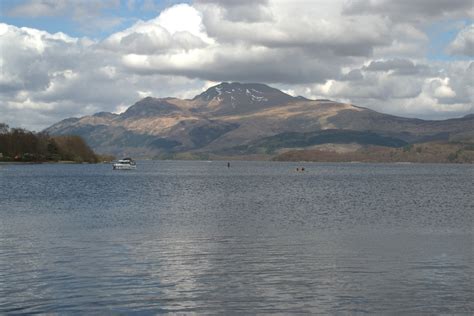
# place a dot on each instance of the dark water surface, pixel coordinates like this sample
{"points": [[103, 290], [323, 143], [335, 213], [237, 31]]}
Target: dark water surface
{"points": [[258, 237]]}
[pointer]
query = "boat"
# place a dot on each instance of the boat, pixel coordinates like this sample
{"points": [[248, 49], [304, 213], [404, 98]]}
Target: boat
{"points": [[125, 164]]}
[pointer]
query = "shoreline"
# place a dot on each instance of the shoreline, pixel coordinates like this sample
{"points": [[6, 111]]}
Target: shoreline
{"points": [[64, 162], [235, 159]]}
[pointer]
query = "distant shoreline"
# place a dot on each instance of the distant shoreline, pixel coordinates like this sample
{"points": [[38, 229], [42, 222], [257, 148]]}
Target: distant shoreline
{"points": [[64, 162], [235, 159]]}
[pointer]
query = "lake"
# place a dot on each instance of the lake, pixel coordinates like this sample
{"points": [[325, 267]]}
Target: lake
{"points": [[258, 237]]}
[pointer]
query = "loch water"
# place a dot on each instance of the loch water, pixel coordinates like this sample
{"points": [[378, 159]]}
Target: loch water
{"points": [[258, 237]]}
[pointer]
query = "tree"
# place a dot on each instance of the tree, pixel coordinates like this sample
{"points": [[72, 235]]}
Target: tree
{"points": [[23, 145], [4, 128]]}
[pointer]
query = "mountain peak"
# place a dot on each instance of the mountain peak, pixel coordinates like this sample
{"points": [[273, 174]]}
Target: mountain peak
{"points": [[150, 106], [236, 97], [255, 89], [105, 115]]}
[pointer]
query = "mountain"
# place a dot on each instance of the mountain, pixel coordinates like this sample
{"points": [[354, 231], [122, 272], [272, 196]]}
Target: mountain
{"points": [[238, 98], [232, 119]]}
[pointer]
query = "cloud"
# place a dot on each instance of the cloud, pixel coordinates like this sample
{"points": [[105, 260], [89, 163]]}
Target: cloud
{"points": [[433, 91], [440, 89], [211, 46], [397, 66], [28, 68], [88, 14], [175, 29], [54, 76], [46, 8], [418, 11], [358, 52], [463, 44], [317, 29], [249, 11], [406, 41]]}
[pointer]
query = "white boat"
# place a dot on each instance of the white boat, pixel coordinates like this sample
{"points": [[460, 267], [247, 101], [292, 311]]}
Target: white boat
{"points": [[125, 164]]}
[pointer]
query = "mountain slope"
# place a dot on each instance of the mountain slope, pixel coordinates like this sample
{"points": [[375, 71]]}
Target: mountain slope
{"points": [[246, 116]]}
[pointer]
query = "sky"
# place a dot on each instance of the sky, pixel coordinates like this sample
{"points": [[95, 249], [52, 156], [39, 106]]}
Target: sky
{"points": [[70, 58]]}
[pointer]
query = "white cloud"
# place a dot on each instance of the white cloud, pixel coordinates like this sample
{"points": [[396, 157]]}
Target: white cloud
{"points": [[403, 87], [350, 51], [182, 18], [440, 88], [318, 27], [54, 76], [176, 28]]}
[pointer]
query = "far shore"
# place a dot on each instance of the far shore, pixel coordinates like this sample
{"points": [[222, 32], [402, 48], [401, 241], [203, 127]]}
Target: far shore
{"points": [[68, 162], [237, 158]]}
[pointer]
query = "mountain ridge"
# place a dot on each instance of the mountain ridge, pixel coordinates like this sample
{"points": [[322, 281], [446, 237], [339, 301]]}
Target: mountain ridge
{"points": [[235, 114]]}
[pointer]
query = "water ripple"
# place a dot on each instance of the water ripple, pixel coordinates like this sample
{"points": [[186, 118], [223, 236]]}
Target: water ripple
{"points": [[195, 237]]}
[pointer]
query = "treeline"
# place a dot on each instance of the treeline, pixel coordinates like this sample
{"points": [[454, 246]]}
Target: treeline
{"points": [[17, 144]]}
